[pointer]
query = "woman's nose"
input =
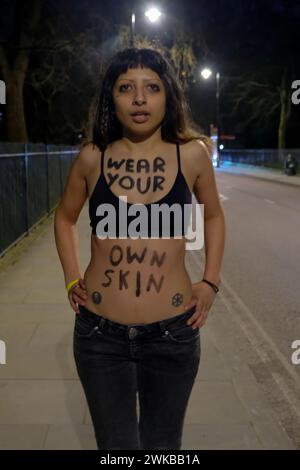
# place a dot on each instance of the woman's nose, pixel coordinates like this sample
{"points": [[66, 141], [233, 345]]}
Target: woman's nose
{"points": [[139, 97], [139, 100]]}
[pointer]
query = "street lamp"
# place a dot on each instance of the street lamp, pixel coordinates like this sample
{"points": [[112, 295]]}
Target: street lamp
{"points": [[132, 28], [206, 73], [152, 14]]}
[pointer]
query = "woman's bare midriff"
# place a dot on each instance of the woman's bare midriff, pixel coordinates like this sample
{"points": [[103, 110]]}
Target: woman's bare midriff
{"points": [[138, 281]]}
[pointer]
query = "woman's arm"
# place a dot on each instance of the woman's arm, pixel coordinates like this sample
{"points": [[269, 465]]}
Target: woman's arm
{"points": [[67, 213], [205, 190]]}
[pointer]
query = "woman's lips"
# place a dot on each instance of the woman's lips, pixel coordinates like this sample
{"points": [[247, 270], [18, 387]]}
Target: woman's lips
{"points": [[140, 117]]}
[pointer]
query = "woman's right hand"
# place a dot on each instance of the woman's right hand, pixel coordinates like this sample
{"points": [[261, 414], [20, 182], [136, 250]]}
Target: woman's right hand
{"points": [[77, 295]]}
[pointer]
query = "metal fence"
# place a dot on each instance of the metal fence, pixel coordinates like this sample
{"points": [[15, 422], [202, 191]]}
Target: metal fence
{"points": [[270, 158], [32, 179]]}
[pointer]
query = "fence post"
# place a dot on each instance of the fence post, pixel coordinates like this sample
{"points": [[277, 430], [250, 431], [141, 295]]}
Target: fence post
{"points": [[47, 179], [25, 185]]}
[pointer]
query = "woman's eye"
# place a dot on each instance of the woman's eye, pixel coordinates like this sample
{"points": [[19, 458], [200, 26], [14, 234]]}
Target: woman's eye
{"points": [[155, 86], [121, 87]]}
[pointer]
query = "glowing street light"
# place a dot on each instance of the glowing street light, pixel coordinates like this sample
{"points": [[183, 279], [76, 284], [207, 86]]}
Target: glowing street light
{"points": [[152, 14], [206, 73]]}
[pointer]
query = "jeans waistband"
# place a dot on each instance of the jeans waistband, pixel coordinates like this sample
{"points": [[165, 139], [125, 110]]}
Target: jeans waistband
{"points": [[154, 326]]}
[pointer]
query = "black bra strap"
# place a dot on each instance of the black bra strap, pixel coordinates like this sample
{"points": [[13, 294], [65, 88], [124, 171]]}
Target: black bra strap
{"points": [[178, 156], [102, 158]]}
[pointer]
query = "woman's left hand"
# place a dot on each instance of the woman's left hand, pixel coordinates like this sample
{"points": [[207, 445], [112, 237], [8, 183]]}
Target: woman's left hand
{"points": [[202, 296]]}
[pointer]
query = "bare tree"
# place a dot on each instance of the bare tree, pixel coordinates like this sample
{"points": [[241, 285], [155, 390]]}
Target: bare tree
{"points": [[264, 99], [14, 71], [285, 91]]}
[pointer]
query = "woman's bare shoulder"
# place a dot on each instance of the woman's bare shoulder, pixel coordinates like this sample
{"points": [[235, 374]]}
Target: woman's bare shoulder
{"points": [[201, 146], [89, 149], [197, 155], [88, 156]]}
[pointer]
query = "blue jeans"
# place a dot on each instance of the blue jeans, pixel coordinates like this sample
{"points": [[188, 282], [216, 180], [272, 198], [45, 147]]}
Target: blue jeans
{"points": [[158, 361]]}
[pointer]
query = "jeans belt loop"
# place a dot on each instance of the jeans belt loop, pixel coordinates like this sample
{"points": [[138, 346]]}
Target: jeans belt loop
{"points": [[102, 322], [162, 325]]}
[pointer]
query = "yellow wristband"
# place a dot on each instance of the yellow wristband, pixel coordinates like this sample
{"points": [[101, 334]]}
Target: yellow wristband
{"points": [[68, 287]]}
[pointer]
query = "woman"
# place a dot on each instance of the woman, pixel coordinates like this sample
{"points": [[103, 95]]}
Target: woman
{"points": [[132, 333]]}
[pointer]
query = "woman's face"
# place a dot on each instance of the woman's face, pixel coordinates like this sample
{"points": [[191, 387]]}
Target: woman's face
{"points": [[136, 91]]}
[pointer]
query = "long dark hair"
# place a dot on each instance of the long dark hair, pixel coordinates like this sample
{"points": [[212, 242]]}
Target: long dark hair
{"points": [[177, 125]]}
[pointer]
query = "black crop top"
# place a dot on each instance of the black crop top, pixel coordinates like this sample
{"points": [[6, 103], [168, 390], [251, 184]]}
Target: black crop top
{"points": [[179, 195]]}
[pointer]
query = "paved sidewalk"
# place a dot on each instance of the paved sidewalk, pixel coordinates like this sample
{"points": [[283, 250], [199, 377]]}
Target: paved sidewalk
{"points": [[267, 174], [42, 405]]}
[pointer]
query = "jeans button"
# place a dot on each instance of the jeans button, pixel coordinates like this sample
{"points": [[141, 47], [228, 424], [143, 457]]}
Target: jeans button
{"points": [[132, 332]]}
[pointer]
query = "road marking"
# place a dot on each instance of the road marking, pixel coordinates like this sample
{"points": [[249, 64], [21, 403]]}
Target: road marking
{"points": [[269, 201]]}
